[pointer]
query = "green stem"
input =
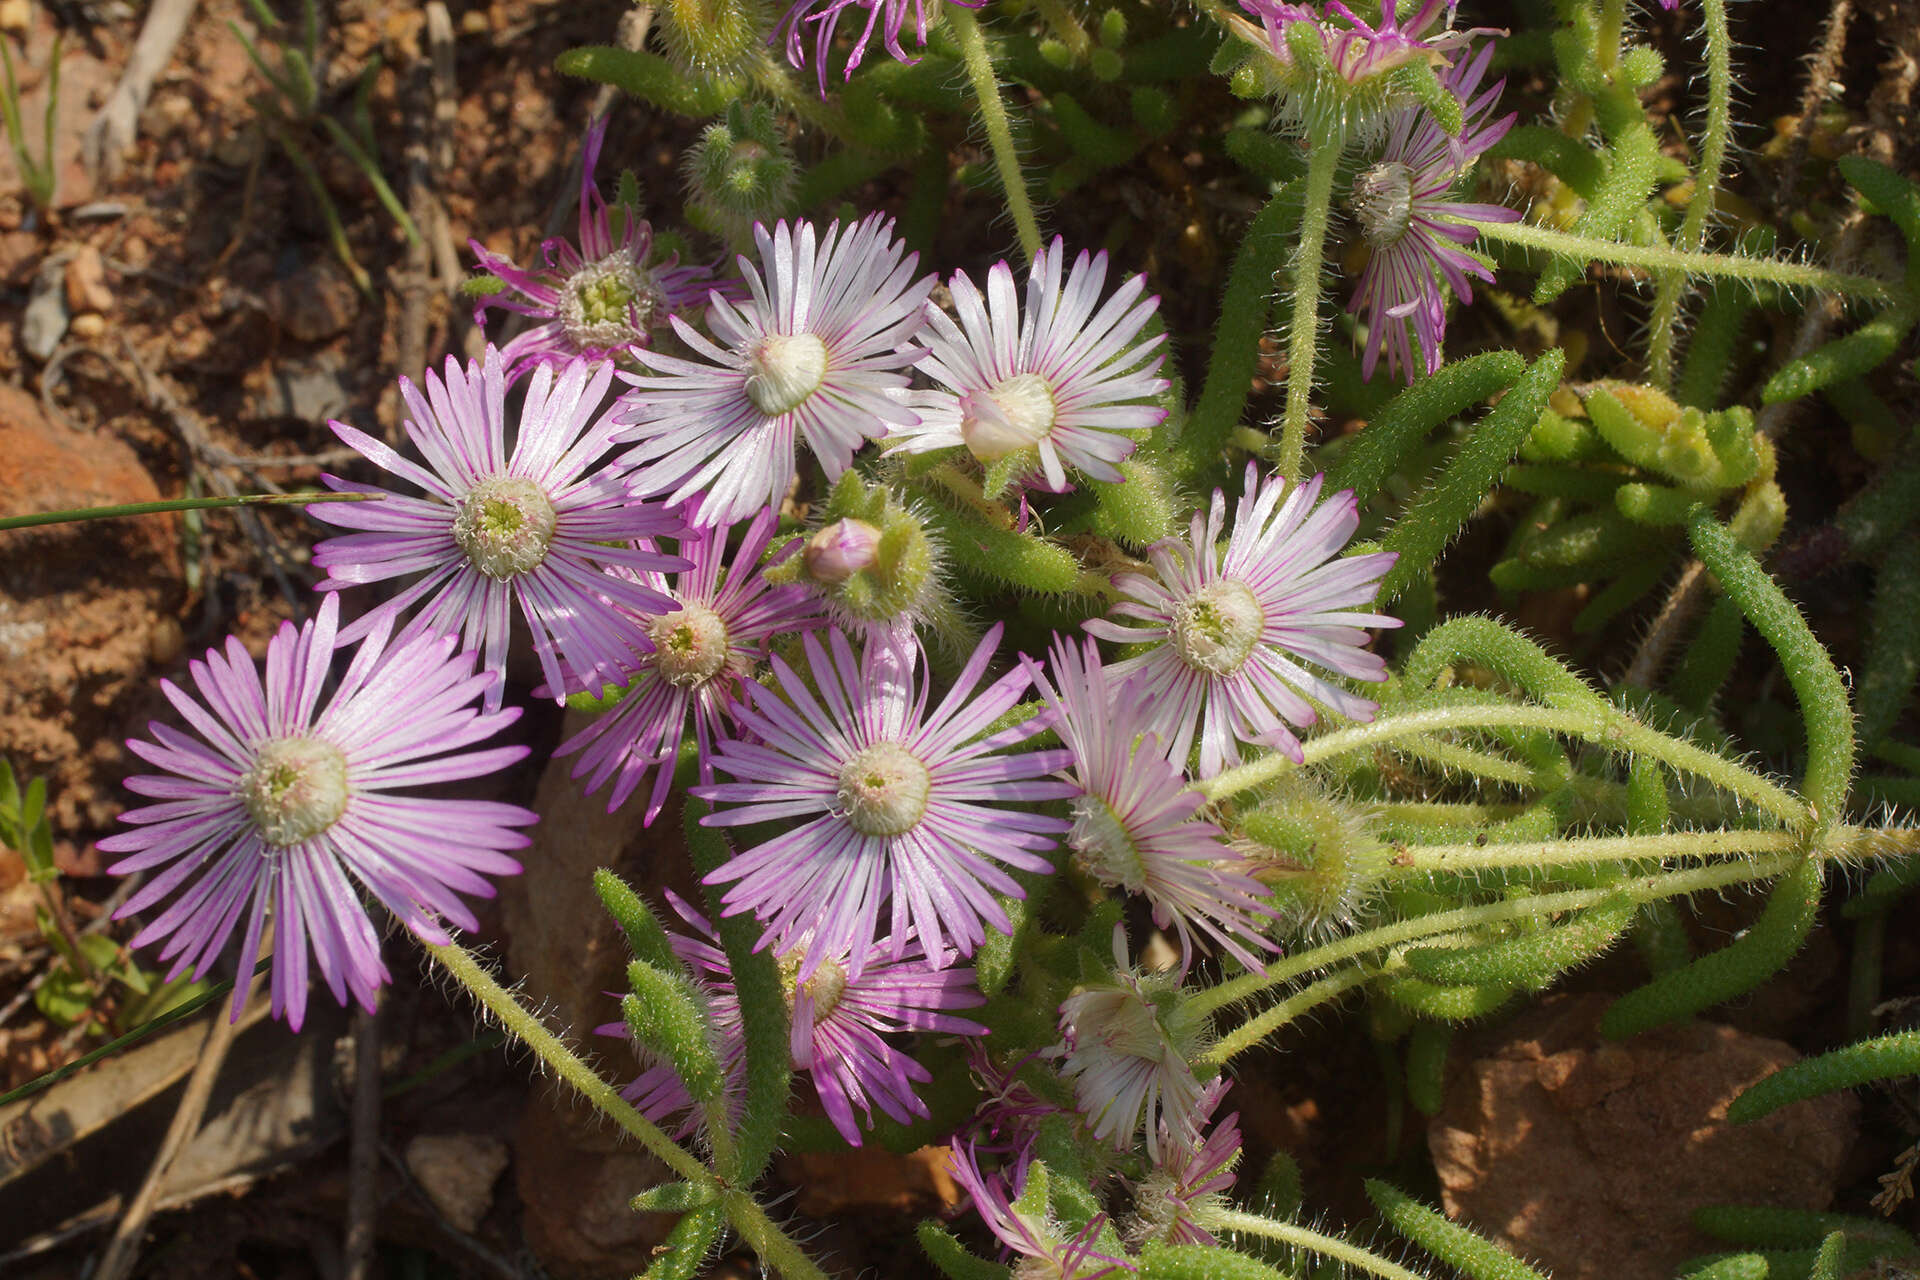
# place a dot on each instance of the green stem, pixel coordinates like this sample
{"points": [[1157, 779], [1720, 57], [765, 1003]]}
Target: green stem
{"points": [[774, 80], [1608, 34], [1271, 1019], [1062, 23], [993, 112], [1303, 332], [1236, 341], [1566, 853], [1508, 910], [1300, 1237], [1706, 186], [775, 1247], [518, 1022], [180, 504], [1614, 730], [1794, 275]]}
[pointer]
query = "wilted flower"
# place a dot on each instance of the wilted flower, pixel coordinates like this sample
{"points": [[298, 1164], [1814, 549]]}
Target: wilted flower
{"points": [[1189, 1178], [713, 634], [1234, 628], [897, 802], [1407, 220], [1134, 823], [1129, 1046], [817, 355], [600, 299], [1055, 386], [889, 17], [841, 1015], [1023, 1226], [1355, 48], [533, 528], [283, 808]]}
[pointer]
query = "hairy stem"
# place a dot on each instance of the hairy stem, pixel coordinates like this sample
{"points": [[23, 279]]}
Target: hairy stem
{"points": [[1615, 730], [1300, 1237], [1706, 187], [520, 1023], [1508, 910], [1254, 1030], [1567, 853], [1794, 275], [993, 113], [1303, 332]]}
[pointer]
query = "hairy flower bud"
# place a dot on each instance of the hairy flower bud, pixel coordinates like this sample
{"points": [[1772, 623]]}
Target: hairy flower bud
{"points": [[742, 170]]}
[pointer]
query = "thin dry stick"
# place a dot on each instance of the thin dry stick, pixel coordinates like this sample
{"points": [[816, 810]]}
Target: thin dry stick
{"points": [[124, 1249], [363, 1156], [113, 131], [1821, 73]]}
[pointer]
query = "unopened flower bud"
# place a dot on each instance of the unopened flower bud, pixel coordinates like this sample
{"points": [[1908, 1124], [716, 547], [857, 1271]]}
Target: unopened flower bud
{"points": [[842, 549]]}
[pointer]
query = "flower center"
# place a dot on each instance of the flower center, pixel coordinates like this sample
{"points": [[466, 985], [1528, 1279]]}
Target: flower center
{"points": [[1383, 201], [295, 789], [826, 986], [1015, 414], [884, 790], [608, 303], [785, 368], [689, 645], [1103, 847], [505, 525], [1216, 628]]}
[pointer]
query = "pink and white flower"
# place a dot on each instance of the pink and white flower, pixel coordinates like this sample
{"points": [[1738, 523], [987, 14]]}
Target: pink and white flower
{"points": [[283, 807], [1233, 631]]}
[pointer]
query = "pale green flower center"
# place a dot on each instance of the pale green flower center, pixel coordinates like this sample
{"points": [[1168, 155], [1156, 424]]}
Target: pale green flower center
{"points": [[1383, 202], [826, 986], [608, 303], [689, 645], [1216, 628], [1103, 847], [884, 790], [783, 370], [1017, 413], [295, 789], [505, 525]]}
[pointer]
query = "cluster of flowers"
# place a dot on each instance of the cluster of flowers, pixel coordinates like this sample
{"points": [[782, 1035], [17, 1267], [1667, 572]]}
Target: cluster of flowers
{"points": [[637, 537]]}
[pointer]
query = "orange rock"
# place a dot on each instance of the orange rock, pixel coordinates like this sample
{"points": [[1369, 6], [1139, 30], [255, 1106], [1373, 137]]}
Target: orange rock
{"points": [[1588, 1156]]}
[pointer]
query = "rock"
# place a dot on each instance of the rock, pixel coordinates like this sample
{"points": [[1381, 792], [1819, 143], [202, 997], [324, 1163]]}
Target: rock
{"points": [[457, 1171], [89, 326], [86, 281], [45, 322], [15, 15], [309, 390], [80, 605], [576, 1174], [314, 303], [1588, 1156], [870, 1178]]}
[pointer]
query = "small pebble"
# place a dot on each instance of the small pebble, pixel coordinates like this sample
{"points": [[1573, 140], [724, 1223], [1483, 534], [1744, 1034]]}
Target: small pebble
{"points": [[88, 325]]}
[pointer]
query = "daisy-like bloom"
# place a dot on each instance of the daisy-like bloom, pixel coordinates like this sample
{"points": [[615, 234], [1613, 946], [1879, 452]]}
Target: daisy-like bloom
{"points": [[897, 802], [1021, 1224], [1060, 383], [817, 353], [839, 1020], [1133, 821], [1234, 628], [534, 527], [695, 655], [888, 17], [283, 807], [1129, 1047], [1188, 1180], [597, 300], [1412, 228]]}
